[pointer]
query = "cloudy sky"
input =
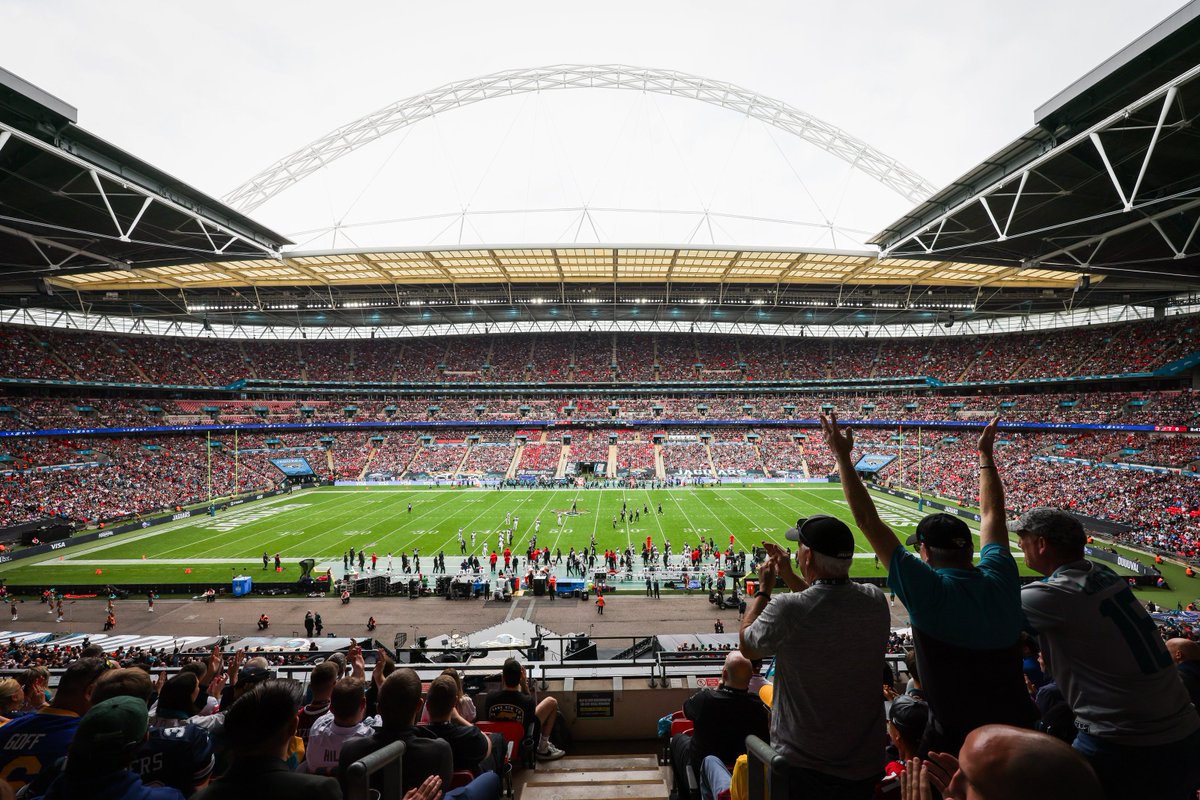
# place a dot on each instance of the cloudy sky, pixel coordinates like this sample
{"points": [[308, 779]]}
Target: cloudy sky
{"points": [[214, 92]]}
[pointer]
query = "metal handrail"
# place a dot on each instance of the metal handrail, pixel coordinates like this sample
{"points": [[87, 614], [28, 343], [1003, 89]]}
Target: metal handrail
{"points": [[389, 759], [767, 772]]}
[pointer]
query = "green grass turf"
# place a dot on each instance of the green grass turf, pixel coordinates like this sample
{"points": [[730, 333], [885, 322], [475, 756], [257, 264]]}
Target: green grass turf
{"points": [[323, 523]]}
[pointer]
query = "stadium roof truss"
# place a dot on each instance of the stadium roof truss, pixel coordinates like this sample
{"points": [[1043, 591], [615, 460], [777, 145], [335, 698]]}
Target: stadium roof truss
{"points": [[70, 201], [552, 264], [1107, 183]]}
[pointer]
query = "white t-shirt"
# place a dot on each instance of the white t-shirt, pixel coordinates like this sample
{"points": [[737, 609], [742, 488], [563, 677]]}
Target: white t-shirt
{"points": [[326, 738]]}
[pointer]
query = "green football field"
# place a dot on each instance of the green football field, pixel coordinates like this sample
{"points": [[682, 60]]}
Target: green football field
{"points": [[324, 523]]}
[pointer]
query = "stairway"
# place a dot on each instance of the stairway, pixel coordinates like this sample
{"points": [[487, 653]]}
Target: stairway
{"points": [[758, 454], [371, 450], [563, 457], [466, 454], [614, 777], [712, 467], [612, 461], [660, 468], [511, 472]]}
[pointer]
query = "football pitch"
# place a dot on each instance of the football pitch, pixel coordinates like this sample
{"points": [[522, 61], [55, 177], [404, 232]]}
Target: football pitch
{"points": [[324, 523]]}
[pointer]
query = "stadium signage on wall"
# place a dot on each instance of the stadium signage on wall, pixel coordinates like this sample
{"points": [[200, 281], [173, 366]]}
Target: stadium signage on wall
{"points": [[84, 538], [608, 422], [594, 705], [934, 504], [1121, 561], [1103, 464]]}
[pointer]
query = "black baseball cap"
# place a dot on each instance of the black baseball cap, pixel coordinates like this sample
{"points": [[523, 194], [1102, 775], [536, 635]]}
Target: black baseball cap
{"points": [[824, 534], [910, 716], [944, 531]]}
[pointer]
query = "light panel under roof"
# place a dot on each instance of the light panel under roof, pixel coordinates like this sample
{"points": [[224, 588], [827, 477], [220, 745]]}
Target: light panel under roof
{"points": [[572, 265]]}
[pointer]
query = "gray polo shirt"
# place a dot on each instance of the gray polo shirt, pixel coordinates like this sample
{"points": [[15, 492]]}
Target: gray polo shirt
{"points": [[1107, 657], [829, 643]]}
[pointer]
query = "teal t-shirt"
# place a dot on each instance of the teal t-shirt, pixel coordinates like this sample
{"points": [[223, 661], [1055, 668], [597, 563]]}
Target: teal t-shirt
{"points": [[973, 608]]}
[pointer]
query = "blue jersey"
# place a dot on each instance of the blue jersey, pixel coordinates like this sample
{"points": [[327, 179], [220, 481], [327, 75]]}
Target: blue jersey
{"points": [[30, 745], [180, 757]]}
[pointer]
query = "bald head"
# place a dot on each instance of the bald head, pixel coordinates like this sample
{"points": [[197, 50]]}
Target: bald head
{"points": [[1183, 650], [737, 670], [259, 662], [999, 762]]}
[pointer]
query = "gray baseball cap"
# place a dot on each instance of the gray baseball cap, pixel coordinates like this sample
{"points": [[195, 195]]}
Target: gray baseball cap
{"points": [[1053, 524]]}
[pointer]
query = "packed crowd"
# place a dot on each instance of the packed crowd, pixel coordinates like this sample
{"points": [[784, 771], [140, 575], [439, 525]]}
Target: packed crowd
{"points": [[44, 413], [736, 458], [117, 726], [490, 459], [1131, 347], [539, 459], [108, 478], [1032, 692]]}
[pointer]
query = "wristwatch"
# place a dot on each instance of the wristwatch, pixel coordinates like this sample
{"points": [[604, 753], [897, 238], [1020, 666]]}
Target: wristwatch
{"points": [[762, 593]]}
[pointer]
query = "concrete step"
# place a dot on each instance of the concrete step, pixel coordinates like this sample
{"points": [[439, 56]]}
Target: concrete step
{"points": [[564, 778], [597, 791], [599, 763]]}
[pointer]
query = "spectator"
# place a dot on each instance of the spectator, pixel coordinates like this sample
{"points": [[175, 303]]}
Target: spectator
{"points": [[1000, 762], [1186, 655], [466, 706], [348, 702], [966, 620], [11, 698], [177, 703], [106, 741], [829, 636], [34, 682], [472, 749], [1136, 725], [320, 682], [425, 756], [723, 718], [258, 731], [29, 745], [513, 703], [907, 719], [179, 757]]}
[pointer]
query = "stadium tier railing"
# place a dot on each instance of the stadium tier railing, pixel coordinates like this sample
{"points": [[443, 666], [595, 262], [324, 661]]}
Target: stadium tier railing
{"points": [[389, 760]]}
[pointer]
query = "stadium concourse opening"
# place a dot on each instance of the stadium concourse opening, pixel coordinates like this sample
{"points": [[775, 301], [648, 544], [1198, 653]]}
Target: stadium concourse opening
{"points": [[569, 508]]}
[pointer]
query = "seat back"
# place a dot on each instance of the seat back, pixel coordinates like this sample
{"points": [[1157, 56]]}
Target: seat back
{"points": [[461, 777], [513, 733], [682, 726]]}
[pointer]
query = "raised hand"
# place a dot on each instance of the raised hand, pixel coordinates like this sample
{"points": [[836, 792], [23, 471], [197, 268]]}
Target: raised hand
{"points": [[987, 439], [430, 789], [914, 781], [769, 570], [841, 442], [942, 768]]}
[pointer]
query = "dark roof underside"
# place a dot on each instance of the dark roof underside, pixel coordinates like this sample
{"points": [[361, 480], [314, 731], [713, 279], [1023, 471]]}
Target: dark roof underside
{"points": [[72, 202], [1048, 199]]}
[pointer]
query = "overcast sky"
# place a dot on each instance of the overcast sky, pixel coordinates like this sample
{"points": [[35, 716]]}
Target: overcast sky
{"points": [[213, 92]]}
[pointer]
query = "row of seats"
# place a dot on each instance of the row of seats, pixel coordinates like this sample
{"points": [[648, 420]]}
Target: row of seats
{"points": [[27, 352], [1167, 408]]}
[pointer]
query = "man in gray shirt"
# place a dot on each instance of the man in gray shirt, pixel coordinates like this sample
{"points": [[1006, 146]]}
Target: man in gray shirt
{"points": [[828, 636], [1137, 726]]}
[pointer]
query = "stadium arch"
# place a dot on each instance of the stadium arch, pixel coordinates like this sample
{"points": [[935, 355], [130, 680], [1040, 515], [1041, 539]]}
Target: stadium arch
{"points": [[293, 168]]}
